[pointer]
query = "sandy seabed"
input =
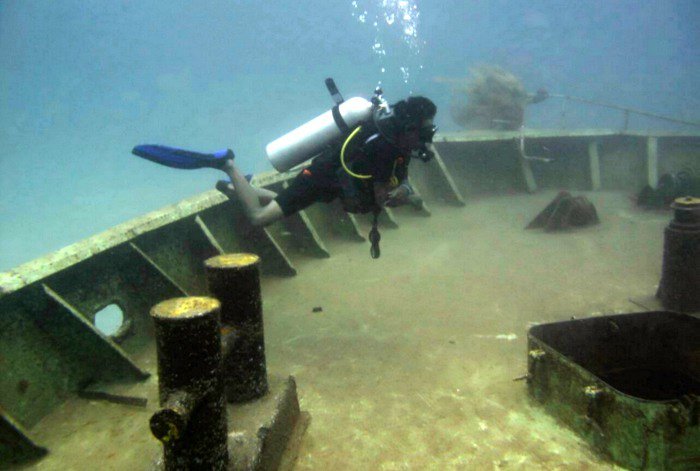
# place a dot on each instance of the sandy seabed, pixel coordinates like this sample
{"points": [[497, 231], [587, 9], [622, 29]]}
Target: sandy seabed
{"points": [[411, 361]]}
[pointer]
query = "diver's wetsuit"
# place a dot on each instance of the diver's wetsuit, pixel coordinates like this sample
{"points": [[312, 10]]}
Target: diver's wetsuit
{"points": [[372, 155]]}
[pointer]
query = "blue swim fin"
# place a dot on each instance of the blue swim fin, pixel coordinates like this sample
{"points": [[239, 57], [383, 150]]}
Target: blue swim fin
{"points": [[180, 158]]}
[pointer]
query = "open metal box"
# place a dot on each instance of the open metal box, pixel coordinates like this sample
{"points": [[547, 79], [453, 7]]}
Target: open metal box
{"points": [[628, 384]]}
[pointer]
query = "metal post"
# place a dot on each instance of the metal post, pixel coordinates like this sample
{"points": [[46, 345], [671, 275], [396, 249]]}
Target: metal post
{"points": [[234, 279], [679, 288], [652, 161], [594, 159], [191, 423], [528, 175]]}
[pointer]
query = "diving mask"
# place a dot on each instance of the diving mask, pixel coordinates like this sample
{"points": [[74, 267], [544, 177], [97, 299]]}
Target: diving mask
{"points": [[426, 133]]}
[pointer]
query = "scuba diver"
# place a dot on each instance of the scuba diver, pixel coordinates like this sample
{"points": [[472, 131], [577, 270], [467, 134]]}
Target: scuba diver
{"points": [[379, 175], [360, 149]]}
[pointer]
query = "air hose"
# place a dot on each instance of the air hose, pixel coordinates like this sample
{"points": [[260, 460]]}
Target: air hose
{"points": [[342, 156]]}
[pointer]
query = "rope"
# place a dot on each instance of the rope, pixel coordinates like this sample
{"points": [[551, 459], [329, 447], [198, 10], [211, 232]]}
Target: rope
{"points": [[626, 110]]}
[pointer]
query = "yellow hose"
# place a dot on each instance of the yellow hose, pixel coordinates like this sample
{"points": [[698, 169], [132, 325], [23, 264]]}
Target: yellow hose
{"points": [[342, 156]]}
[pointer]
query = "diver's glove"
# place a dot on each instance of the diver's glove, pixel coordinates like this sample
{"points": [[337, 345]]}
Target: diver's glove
{"points": [[399, 195]]}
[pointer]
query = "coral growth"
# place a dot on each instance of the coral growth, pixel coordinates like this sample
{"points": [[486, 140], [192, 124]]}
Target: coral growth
{"points": [[491, 98]]}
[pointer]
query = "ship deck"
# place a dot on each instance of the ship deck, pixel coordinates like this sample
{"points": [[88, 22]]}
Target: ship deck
{"points": [[411, 362]]}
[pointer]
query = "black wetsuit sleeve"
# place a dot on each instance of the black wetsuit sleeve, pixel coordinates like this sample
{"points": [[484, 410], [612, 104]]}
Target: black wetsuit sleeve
{"points": [[388, 162]]}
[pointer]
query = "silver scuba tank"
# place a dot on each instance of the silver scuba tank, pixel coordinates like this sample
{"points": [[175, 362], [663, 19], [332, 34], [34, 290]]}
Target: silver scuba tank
{"points": [[311, 138]]}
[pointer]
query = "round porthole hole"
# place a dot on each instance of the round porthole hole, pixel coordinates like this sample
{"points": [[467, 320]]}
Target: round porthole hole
{"points": [[109, 319]]}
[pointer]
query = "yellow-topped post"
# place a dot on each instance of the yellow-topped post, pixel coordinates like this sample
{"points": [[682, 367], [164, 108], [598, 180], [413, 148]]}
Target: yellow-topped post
{"points": [[234, 279], [192, 422]]}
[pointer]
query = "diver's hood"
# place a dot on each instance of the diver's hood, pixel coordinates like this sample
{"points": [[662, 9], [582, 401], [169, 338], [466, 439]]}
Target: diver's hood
{"points": [[389, 126]]}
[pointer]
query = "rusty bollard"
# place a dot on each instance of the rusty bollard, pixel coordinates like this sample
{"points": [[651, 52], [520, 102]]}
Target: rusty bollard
{"points": [[679, 288], [234, 279], [191, 423]]}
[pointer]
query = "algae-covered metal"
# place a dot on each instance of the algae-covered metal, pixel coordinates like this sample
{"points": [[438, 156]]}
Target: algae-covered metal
{"points": [[234, 279], [679, 288], [628, 384], [192, 422]]}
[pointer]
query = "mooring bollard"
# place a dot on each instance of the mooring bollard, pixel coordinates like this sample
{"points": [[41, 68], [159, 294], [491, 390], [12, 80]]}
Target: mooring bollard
{"points": [[191, 423], [679, 288], [234, 279]]}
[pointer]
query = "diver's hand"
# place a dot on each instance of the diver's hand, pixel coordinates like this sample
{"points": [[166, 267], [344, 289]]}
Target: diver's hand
{"points": [[398, 196]]}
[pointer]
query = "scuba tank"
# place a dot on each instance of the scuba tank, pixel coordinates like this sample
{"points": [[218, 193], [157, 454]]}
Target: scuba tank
{"points": [[313, 137]]}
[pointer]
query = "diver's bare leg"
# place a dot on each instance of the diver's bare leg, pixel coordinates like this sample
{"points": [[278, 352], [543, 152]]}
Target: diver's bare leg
{"points": [[264, 195], [259, 214]]}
